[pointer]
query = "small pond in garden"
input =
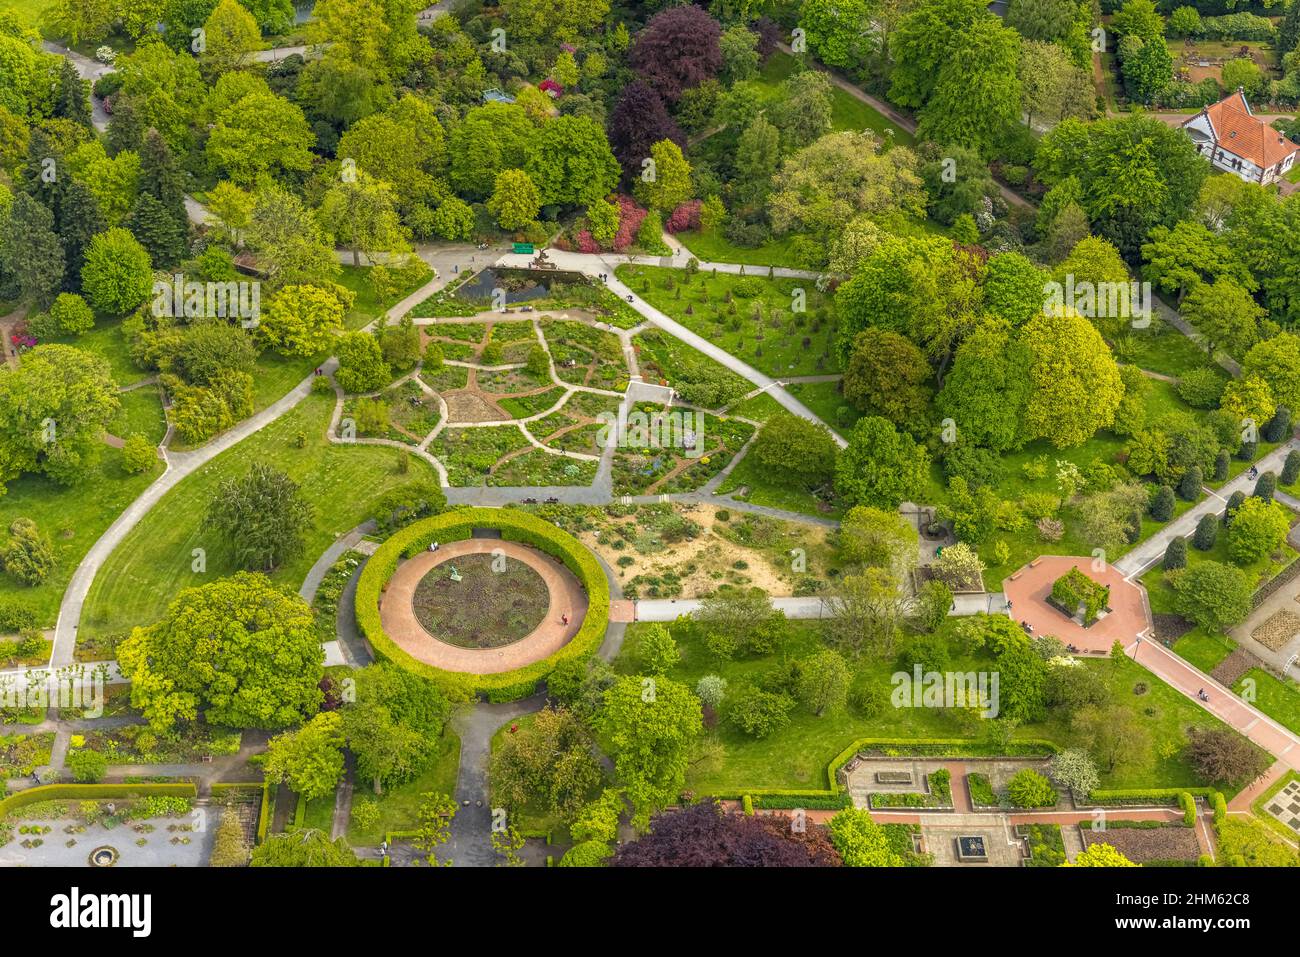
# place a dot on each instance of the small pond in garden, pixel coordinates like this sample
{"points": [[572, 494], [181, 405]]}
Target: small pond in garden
{"points": [[520, 285]]}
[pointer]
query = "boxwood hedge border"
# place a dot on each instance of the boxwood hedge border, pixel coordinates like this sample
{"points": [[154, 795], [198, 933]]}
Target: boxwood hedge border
{"points": [[458, 524]]}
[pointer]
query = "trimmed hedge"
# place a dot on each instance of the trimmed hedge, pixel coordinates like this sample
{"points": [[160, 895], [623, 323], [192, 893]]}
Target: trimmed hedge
{"points": [[94, 792], [457, 525], [1220, 807], [264, 815], [1189, 808], [1165, 797]]}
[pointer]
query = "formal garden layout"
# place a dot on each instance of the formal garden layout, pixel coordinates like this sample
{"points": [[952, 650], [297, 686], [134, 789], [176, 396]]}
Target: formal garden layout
{"points": [[802, 433]]}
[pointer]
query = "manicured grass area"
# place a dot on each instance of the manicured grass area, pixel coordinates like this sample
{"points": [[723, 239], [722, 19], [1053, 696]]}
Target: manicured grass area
{"points": [[710, 245], [847, 111], [1203, 649], [763, 491], [399, 806], [760, 408], [824, 399], [156, 558], [141, 412], [319, 814], [367, 307], [1162, 348], [1276, 697], [74, 517], [797, 755], [107, 341], [752, 317]]}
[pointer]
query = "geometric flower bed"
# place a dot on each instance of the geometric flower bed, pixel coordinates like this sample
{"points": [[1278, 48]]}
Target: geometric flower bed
{"points": [[1277, 630], [456, 525]]}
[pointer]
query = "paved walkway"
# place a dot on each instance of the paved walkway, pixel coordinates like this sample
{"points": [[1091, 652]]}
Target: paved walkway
{"points": [[1028, 589], [567, 597], [1148, 552], [1223, 704], [179, 465]]}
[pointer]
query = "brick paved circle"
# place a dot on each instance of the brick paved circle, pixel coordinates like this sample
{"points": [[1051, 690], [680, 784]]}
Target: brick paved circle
{"points": [[567, 596]]}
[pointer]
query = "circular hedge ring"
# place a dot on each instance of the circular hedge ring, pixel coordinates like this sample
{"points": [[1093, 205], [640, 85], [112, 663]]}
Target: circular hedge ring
{"points": [[456, 526]]}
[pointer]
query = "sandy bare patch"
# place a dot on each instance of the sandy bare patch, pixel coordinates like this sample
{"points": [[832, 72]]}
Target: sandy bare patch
{"points": [[471, 407], [713, 556]]}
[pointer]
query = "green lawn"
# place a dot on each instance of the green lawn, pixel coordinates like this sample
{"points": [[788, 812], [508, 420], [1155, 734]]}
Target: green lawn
{"points": [[106, 340], [710, 245], [1204, 649], [141, 412], [27, 11], [73, 517], [847, 111], [763, 491], [1276, 697], [797, 755], [154, 561], [1161, 348], [762, 330], [399, 806]]}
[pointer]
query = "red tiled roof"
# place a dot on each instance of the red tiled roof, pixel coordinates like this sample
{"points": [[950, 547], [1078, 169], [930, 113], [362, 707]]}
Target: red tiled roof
{"points": [[1249, 137]]}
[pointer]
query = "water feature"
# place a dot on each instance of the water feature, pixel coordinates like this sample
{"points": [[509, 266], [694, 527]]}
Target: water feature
{"points": [[520, 285]]}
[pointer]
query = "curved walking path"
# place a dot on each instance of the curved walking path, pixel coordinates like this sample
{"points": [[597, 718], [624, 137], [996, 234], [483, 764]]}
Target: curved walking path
{"points": [[178, 466], [594, 265], [1146, 553], [567, 597]]}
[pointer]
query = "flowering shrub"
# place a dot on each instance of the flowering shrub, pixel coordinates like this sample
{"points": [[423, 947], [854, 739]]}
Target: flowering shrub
{"points": [[685, 217], [630, 216]]}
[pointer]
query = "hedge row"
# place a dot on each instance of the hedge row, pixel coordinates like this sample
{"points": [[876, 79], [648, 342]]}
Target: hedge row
{"points": [[457, 525], [834, 798], [1148, 796], [94, 792]]}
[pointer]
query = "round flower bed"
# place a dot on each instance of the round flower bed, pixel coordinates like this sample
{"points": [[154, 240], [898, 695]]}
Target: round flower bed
{"points": [[459, 524]]}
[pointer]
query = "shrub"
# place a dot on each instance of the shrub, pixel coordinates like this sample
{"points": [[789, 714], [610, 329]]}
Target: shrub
{"points": [[14, 617], [1176, 554], [747, 805], [1234, 503], [1265, 486], [586, 854], [87, 767], [1290, 468], [1247, 451], [1276, 428], [1189, 487], [1207, 531], [138, 454], [1222, 462], [757, 712], [28, 555], [365, 813], [1220, 807], [70, 314], [1162, 504], [1188, 804], [1028, 788], [1201, 388]]}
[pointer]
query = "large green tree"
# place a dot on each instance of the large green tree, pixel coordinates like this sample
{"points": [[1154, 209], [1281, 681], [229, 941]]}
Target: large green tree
{"points": [[881, 467], [651, 724], [261, 517], [54, 408], [240, 650]]}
